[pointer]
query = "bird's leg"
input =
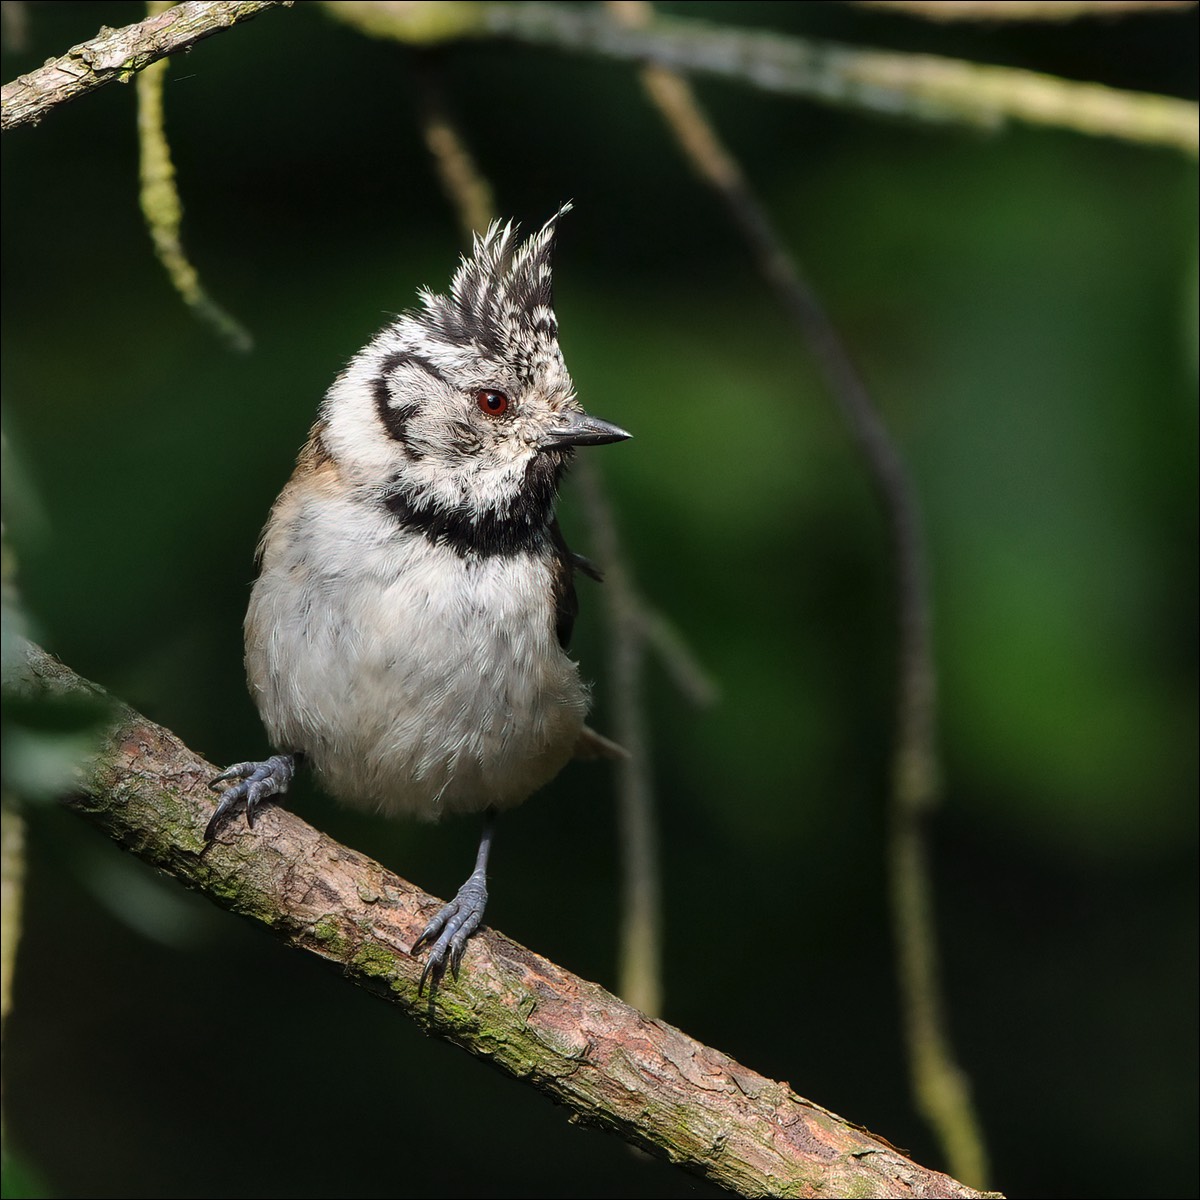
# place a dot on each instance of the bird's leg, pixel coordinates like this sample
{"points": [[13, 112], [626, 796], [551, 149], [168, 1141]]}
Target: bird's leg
{"points": [[460, 918], [257, 782]]}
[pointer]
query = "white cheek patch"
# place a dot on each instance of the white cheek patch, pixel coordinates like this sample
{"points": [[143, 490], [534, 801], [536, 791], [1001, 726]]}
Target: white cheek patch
{"points": [[400, 421]]}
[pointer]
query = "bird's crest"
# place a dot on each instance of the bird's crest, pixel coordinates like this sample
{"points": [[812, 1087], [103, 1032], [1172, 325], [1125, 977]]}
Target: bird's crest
{"points": [[500, 299]]}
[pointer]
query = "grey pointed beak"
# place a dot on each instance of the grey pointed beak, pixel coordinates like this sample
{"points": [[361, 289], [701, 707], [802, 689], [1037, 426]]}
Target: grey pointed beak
{"points": [[578, 429]]}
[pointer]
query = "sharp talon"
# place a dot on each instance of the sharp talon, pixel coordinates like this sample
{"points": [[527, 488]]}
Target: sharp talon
{"points": [[257, 782], [450, 930], [425, 976]]}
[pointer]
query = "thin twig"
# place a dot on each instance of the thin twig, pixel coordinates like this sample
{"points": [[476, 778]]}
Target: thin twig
{"points": [[640, 943], [639, 971], [1011, 11], [466, 187], [115, 55], [162, 207], [570, 1039], [12, 823], [12, 890], [14, 26], [689, 675], [921, 87], [939, 1084]]}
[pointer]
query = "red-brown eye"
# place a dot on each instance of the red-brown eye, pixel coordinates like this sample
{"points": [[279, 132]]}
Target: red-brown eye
{"points": [[491, 403]]}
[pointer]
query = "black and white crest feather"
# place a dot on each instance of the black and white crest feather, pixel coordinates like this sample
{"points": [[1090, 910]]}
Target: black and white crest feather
{"points": [[500, 300]]}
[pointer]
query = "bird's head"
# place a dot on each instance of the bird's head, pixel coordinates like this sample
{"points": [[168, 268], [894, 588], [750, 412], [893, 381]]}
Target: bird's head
{"points": [[462, 412]]}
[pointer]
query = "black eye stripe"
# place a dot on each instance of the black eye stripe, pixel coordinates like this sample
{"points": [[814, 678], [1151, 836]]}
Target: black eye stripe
{"points": [[395, 417]]}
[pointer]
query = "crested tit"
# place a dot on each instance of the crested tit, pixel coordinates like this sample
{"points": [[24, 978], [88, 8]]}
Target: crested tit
{"points": [[407, 634]]}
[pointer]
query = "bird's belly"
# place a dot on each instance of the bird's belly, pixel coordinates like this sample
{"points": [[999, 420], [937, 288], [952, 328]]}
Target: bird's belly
{"points": [[440, 689]]}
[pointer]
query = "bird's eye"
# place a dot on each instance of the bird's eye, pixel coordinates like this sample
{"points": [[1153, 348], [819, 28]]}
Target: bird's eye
{"points": [[491, 403]]}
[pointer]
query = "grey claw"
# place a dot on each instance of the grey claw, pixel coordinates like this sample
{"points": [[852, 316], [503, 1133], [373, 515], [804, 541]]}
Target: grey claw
{"points": [[257, 783], [452, 927]]}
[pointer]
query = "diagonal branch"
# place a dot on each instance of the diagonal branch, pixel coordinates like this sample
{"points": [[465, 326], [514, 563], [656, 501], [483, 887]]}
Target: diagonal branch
{"points": [[117, 54], [569, 1038]]}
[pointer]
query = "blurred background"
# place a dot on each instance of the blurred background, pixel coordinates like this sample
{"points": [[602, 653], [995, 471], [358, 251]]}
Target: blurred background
{"points": [[1023, 307]]}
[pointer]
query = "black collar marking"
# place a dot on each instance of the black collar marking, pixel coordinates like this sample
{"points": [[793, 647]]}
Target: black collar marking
{"points": [[520, 528]]}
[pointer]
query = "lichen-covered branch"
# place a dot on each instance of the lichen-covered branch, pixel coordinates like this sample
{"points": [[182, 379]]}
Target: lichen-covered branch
{"points": [[118, 54], [580, 1045], [918, 86]]}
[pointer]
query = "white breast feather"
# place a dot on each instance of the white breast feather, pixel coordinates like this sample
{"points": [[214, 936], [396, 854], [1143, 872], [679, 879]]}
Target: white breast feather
{"points": [[415, 680]]}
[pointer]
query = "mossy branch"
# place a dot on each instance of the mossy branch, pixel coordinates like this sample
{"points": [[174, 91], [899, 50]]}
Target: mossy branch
{"points": [[570, 1039], [116, 55]]}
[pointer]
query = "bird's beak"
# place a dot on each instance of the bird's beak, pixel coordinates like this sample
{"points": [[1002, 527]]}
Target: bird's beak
{"points": [[578, 429]]}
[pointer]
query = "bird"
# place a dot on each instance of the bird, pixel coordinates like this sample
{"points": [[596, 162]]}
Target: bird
{"points": [[407, 632]]}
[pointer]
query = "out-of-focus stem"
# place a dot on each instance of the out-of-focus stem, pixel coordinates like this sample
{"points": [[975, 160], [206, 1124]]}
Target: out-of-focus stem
{"points": [[938, 1083]]}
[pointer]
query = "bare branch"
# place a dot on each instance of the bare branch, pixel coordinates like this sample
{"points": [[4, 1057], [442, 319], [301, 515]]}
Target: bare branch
{"points": [[118, 54], [569, 1038], [1011, 11], [919, 86]]}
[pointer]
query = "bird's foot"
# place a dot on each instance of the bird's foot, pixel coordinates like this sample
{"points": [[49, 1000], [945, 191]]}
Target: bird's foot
{"points": [[451, 928], [257, 783]]}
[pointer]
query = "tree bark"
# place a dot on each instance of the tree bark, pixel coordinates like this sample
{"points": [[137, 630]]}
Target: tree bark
{"points": [[571, 1039], [117, 55]]}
